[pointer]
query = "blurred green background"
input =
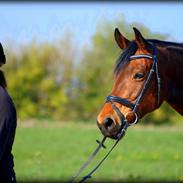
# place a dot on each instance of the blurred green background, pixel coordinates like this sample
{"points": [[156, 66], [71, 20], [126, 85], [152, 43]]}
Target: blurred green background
{"points": [[59, 86], [46, 80]]}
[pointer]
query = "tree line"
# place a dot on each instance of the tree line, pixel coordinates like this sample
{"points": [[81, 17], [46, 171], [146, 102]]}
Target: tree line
{"points": [[49, 80]]}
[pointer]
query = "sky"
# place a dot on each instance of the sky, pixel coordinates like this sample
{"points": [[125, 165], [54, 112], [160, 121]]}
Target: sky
{"points": [[46, 21]]}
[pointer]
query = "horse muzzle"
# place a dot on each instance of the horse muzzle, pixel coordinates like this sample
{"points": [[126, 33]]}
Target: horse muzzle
{"points": [[111, 127]]}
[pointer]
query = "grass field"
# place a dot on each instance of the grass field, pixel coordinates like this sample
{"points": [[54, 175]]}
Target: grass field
{"points": [[55, 151]]}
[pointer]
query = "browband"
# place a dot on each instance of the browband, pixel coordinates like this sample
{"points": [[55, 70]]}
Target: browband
{"points": [[133, 57]]}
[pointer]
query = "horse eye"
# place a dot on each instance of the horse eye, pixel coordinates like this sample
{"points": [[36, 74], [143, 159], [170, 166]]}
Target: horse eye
{"points": [[139, 75]]}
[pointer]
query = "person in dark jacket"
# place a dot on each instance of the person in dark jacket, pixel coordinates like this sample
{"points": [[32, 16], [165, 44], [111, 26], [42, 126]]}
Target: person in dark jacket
{"points": [[8, 123]]}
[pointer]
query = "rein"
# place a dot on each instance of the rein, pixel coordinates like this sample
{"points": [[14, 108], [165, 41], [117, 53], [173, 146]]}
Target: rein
{"points": [[124, 123], [101, 144]]}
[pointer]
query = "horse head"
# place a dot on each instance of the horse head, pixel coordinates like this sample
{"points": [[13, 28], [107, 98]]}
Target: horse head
{"points": [[136, 90]]}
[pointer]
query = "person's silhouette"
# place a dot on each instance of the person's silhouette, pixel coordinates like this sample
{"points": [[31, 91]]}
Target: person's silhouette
{"points": [[8, 123]]}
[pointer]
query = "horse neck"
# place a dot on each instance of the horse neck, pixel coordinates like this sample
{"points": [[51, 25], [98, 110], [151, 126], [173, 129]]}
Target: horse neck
{"points": [[171, 66]]}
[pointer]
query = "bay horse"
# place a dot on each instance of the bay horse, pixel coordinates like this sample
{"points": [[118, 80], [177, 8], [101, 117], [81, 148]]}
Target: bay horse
{"points": [[147, 73]]}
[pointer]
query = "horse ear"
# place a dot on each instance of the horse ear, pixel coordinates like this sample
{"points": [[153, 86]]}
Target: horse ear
{"points": [[120, 39], [139, 39], [2, 56]]}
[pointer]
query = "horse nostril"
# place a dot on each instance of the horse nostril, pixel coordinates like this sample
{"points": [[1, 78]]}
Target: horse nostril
{"points": [[108, 122]]}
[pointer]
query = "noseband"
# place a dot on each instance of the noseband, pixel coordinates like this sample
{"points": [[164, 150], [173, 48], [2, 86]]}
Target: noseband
{"points": [[129, 104]]}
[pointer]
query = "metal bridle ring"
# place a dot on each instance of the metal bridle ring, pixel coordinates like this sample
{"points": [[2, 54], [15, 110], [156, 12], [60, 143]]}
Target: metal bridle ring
{"points": [[136, 117]]}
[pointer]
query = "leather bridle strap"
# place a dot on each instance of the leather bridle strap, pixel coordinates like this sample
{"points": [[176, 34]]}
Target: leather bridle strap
{"points": [[120, 136], [123, 101], [133, 57], [101, 144], [147, 82], [154, 69]]}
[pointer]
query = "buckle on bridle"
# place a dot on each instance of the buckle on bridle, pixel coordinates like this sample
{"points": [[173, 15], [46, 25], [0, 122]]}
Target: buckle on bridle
{"points": [[136, 117]]}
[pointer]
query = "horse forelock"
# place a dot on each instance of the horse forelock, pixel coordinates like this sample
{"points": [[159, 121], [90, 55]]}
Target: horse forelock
{"points": [[124, 57]]}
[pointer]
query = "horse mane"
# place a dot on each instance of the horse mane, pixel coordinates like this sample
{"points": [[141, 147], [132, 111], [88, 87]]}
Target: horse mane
{"points": [[165, 43], [132, 48]]}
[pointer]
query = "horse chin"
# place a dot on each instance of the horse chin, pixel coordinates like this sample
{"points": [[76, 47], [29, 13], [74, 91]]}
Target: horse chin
{"points": [[114, 136], [111, 136]]}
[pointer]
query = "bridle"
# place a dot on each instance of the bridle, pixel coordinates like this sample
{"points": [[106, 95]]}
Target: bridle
{"points": [[134, 106]]}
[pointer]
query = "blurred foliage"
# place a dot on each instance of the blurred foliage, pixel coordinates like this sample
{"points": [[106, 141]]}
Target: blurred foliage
{"points": [[47, 81], [38, 79]]}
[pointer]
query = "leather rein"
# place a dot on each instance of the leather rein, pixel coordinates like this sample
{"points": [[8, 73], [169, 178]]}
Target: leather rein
{"points": [[134, 106]]}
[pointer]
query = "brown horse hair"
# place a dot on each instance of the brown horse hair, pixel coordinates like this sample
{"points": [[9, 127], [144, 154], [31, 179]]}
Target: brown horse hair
{"points": [[3, 82], [132, 48]]}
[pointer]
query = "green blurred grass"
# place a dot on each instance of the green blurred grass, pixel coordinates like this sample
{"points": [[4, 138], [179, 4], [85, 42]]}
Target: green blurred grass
{"points": [[55, 151]]}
